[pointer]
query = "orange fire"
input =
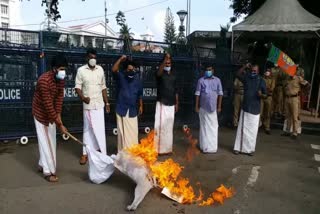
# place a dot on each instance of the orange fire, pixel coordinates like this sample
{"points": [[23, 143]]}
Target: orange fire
{"points": [[219, 196], [168, 174], [145, 149], [192, 150]]}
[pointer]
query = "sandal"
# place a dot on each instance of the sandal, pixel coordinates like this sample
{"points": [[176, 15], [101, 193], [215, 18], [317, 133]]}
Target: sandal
{"points": [[51, 178]]}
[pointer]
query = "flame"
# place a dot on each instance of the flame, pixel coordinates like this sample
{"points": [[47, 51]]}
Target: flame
{"points": [[145, 149], [219, 196], [192, 150], [168, 173]]}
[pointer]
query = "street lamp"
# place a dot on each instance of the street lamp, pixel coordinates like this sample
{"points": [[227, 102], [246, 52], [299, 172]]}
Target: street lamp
{"points": [[182, 15]]}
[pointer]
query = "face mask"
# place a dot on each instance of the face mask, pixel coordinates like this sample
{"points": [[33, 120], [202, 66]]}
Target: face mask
{"points": [[268, 73], [253, 74], [61, 75], [92, 62], [167, 69], [130, 74], [208, 73]]}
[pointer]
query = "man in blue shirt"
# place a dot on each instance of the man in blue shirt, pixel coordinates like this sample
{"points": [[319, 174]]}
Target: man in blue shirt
{"points": [[129, 93], [254, 90], [209, 92]]}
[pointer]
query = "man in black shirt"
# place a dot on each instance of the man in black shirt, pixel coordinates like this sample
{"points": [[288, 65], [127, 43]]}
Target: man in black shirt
{"points": [[254, 91], [167, 105]]}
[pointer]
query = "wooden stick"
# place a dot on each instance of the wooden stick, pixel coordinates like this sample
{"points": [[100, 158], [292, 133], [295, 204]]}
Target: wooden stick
{"points": [[74, 138]]}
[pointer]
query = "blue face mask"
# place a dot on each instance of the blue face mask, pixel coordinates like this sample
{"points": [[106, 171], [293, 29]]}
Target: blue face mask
{"points": [[208, 73]]}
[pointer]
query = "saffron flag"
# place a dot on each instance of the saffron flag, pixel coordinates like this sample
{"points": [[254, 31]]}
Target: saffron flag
{"points": [[283, 60]]}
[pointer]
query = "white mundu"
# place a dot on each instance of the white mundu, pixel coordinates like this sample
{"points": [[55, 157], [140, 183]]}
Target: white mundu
{"points": [[94, 132], [127, 131], [247, 132], [47, 147], [163, 126], [208, 135]]}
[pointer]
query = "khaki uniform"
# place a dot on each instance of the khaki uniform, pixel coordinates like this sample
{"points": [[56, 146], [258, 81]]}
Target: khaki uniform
{"points": [[266, 103], [278, 96], [291, 90], [300, 72], [237, 101]]}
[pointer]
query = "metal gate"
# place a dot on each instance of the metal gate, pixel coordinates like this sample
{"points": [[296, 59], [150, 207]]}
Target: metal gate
{"points": [[26, 54]]}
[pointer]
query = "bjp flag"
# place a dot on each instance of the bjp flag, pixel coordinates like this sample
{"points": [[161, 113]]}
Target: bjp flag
{"points": [[283, 60]]}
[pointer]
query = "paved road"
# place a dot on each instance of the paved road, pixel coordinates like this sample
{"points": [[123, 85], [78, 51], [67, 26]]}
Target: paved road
{"points": [[282, 177]]}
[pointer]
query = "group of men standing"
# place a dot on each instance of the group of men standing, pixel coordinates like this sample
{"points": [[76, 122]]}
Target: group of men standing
{"points": [[253, 93], [282, 99], [90, 85]]}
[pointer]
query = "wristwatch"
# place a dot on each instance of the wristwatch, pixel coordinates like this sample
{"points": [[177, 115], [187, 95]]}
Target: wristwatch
{"points": [[107, 104]]}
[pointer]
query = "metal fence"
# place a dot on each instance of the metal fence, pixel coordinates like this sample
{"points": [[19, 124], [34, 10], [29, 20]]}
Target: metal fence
{"points": [[26, 54]]}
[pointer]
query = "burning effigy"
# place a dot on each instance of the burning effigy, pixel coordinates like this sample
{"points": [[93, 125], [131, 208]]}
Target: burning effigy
{"points": [[140, 164]]}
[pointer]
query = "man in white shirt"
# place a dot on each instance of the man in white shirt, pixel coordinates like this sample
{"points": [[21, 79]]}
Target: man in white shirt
{"points": [[92, 91]]}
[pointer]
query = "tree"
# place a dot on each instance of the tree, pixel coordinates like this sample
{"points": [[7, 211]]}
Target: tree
{"points": [[52, 8], [125, 33], [248, 7], [223, 49], [169, 29]]}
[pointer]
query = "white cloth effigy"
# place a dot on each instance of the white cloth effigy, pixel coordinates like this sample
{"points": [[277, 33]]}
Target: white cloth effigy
{"points": [[247, 132], [94, 130], [47, 147], [100, 166], [127, 131], [163, 127], [208, 136]]}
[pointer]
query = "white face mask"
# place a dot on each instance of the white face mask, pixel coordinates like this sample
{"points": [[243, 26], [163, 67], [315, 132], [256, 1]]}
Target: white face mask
{"points": [[92, 62], [167, 69], [61, 75]]}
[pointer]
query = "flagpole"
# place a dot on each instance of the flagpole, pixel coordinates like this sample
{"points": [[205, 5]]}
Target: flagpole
{"points": [[105, 18], [313, 72]]}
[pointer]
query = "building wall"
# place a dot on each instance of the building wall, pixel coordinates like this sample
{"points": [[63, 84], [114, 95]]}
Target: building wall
{"points": [[205, 44], [4, 13]]}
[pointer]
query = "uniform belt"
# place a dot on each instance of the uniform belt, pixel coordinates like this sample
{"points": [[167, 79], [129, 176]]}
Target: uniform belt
{"points": [[240, 93], [279, 85], [289, 96]]}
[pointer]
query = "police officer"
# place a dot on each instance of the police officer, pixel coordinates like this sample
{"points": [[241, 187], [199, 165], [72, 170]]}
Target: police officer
{"points": [[266, 103], [237, 100], [278, 96], [291, 91]]}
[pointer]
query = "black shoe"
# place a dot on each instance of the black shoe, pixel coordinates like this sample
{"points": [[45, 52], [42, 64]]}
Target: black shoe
{"points": [[286, 134], [236, 152], [250, 154], [268, 132]]}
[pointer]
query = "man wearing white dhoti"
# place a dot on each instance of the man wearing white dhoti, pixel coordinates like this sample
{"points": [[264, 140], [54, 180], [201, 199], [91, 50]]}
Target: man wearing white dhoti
{"points": [[254, 90], [46, 109], [90, 85], [209, 98], [166, 106], [129, 94]]}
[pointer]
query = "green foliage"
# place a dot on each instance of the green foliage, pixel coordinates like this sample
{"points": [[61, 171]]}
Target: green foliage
{"points": [[169, 29], [124, 33]]}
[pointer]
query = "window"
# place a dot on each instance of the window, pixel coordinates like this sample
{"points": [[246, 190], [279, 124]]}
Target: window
{"points": [[4, 9], [4, 25]]}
